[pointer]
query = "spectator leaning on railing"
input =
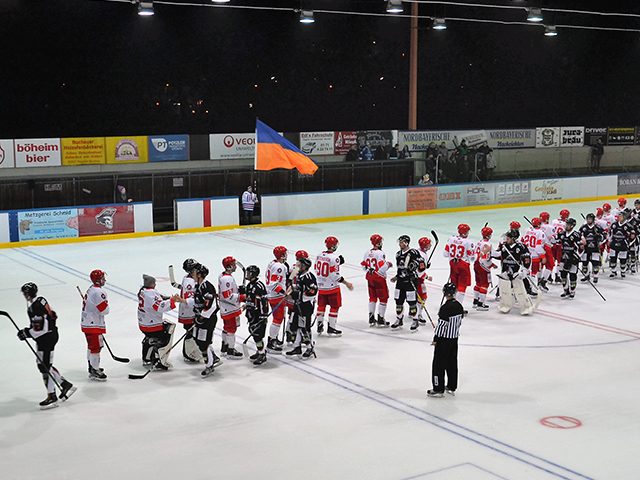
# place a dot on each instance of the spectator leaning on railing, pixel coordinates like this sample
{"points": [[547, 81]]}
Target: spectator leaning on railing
{"points": [[597, 151], [425, 180], [405, 153], [394, 152]]}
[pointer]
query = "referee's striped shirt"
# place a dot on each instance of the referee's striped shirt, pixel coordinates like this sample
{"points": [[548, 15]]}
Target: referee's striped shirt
{"points": [[450, 319]]}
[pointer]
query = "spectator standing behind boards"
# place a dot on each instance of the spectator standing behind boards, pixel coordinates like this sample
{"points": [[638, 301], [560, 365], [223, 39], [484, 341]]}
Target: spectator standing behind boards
{"points": [[394, 152], [484, 151], [121, 195], [441, 158], [380, 153], [405, 153], [249, 200], [352, 154], [425, 180], [430, 162], [597, 151], [366, 155]]}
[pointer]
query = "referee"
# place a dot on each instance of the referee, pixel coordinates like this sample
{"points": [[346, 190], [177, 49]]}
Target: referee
{"points": [[445, 354]]}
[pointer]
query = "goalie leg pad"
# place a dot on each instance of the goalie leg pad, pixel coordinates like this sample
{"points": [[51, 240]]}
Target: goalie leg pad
{"points": [[506, 295], [523, 299]]}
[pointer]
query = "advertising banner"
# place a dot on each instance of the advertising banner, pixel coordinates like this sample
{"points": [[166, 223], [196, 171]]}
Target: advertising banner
{"points": [[224, 146], [592, 134], [547, 137], [512, 192], [46, 224], [480, 194], [83, 151], [629, 183], [451, 196], [512, 138], [375, 138], [421, 198], [38, 152], [168, 148], [127, 149], [418, 141], [6, 154], [317, 143], [473, 138], [571, 136], [343, 141], [548, 189], [621, 135], [105, 220]]}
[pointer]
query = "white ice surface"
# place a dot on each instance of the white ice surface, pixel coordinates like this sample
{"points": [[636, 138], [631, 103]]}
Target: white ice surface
{"points": [[357, 411]]}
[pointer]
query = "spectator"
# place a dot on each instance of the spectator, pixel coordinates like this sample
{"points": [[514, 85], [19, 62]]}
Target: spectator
{"points": [[430, 160], [366, 154], [425, 180], [450, 168], [597, 151], [121, 195], [405, 153], [442, 156], [380, 154], [484, 151], [463, 148], [491, 165], [394, 152], [249, 200], [352, 154]]}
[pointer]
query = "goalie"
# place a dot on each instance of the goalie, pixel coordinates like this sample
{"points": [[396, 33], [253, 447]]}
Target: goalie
{"points": [[515, 260]]}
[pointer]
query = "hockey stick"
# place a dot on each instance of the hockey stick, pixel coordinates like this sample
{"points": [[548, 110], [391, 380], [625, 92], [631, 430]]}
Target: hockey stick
{"points": [[424, 307], [5, 314], [433, 232], [589, 280], [172, 278], [244, 343], [116, 358], [134, 376]]}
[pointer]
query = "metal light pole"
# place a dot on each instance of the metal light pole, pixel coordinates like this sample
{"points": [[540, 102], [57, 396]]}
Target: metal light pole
{"points": [[413, 70]]}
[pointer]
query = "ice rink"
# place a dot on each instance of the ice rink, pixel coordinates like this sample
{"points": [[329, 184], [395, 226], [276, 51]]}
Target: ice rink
{"points": [[359, 410]]}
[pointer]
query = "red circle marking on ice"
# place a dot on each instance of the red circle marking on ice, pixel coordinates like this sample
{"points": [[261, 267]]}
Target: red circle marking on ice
{"points": [[561, 421]]}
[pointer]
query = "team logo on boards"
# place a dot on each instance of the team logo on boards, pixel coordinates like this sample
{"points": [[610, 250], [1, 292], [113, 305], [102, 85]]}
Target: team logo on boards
{"points": [[105, 217], [548, 135], [127, 150]]}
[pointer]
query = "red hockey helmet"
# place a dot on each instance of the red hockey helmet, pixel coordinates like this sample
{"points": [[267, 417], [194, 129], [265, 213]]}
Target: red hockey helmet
{"points": [[463, 229], [424, 242], [536, 222], [97, 277], [486, 232], [280, 252], [606, 207], [564, 214], [599, 212], [622, 202], [515, 225], [544, 216], [228, 262], [376, 240], [301, 254], [331, 243]]}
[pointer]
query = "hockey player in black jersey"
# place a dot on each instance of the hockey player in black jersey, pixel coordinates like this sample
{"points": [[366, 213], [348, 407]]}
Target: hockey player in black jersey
{"points": [[621, 236], [205, 306], [634, 222], [570, 242], [592, 237], [256, 310], [408, 262], [304, 293], [515, 261], [42, 328]]}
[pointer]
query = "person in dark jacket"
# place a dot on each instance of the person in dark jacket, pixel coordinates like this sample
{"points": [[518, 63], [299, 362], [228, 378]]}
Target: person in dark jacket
{"points": [[597, 151]]}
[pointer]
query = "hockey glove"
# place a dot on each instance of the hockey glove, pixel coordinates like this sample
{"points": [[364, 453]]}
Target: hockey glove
{"points": [[242, 290], [24, 334]]}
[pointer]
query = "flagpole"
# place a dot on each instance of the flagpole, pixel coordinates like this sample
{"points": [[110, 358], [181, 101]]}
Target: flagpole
{"points": [[255, 150]]}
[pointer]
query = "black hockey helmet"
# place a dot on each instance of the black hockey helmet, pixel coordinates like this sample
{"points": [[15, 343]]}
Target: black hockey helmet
{"points": [[512, 234], [29, 290], [591, 216], [305, 263], [449, 289], [201, 270], [404, 238], [251, 272], [636, 201], [571, 221], [189, 265]]}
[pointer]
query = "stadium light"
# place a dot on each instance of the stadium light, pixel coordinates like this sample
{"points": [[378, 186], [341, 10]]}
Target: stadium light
{"points": [[394, 6], [439, 24], [220, 1], [550, 31], [306, 16], [535, 15], [145, 8]]}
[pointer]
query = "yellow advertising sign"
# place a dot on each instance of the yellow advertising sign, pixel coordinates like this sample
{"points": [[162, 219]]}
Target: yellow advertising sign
{"points": [[127, 149], [83, 151]]}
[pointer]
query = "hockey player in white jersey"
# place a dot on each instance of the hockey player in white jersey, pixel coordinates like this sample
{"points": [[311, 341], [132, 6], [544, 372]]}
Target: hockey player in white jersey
{"points": [[230, 297], [482, 270], [186, 315], [460, 251], [550, 260], [276, 277], [376, 265], [95, 307], [327, 268], [535, 240]]}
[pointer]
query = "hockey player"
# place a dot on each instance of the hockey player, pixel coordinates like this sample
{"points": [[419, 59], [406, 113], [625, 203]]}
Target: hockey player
{"points": [[291, 328], [620, 236], [535, 239], [157, 332], [635, 213], [257, 309], [329, 279], [186, 315], [421, 290], [515, 225], [550, 239], [42, 328], [592, 238], [94, 308], [515, 262], [622, 207], [634, 223], [460, 251], [304, 294], [569, 241], [230, 298], [608, 213], [558, 227], [205, 307], [276, 278], [408, 262], [376, 265], [482, 269]]}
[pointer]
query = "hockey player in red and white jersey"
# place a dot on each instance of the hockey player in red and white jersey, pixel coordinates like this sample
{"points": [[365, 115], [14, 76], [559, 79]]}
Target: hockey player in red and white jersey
{"points": [[94, 308], [376, 265], [460, 251], [535, 239], [157, 332], [550, 234], [230, 297], [186, 315], [327, 268], [276, 277], [423, 277], [558, 225], [482, 269]]}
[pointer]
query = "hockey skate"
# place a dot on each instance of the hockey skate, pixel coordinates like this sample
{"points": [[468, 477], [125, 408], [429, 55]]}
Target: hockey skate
{"points": [[50, 402], [542, 284], [291, 337], [381, 322], [67, 390], [397, 325], [207, 371], [97, 375], [273, 346], [233, 354], [320, 329], [435, 394], [334, 332], [259, 358], [296, 351], [309, 352], [481, 307], [450, 392], [414, 326], [372, 320]]}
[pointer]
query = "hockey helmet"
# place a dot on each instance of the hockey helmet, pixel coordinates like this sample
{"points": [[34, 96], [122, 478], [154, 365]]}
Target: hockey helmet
{"points": [[201, 270], [536, 222], [515, 225], [97, 277], [622, 202], [376, 240], [513, 234], [564, 214], [29, 290], [305, 264], [606, 207], [331, 243], [301, 254], [590, 216], [228, 262], [425, 243], [636, 201], [599, 212], [148, 281], [280, 252], [463, 229], [252, 272], [189, 264], [404, 238], [486, 232], [571, 222], [544, 216], [449, 289]]}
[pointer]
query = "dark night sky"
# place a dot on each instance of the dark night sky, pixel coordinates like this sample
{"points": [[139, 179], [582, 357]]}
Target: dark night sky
{"points": [[85, 67]]}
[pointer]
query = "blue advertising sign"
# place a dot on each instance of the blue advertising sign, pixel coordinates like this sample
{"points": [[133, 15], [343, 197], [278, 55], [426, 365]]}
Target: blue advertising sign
{"points": [[168, 148], [45, 224], [451, 196]]}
